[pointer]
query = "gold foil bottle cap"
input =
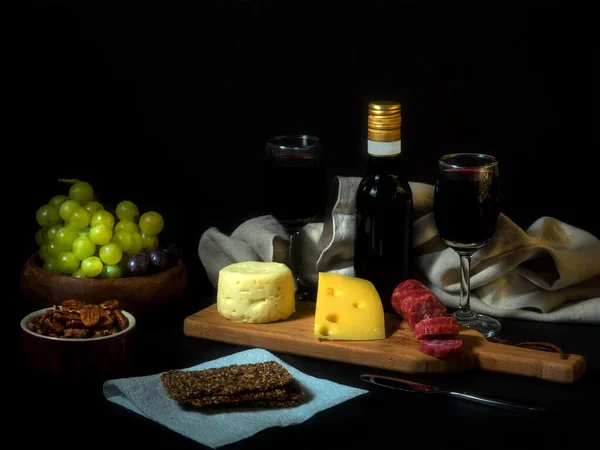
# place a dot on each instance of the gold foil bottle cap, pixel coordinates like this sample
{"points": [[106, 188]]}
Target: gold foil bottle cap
{"points": [[384, 121]]}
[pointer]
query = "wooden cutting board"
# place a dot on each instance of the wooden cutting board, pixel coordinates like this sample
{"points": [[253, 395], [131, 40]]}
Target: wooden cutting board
{"points": [[397, 352]]}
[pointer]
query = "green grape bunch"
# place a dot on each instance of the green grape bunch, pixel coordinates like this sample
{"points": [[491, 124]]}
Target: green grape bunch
{"points": [[82, 238]]}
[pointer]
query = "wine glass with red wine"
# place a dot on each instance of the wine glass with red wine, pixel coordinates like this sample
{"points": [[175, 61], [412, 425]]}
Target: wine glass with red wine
{"points": [[295, 188], [466, 210]]}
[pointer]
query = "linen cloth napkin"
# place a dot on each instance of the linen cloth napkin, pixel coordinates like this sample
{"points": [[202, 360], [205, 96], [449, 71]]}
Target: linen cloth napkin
{"points": [[549, 272], [147, 397]]}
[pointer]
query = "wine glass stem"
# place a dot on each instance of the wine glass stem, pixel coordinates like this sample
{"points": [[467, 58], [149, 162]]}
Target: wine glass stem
{"points": [[465, 312], [295, 256], [292, 254]]}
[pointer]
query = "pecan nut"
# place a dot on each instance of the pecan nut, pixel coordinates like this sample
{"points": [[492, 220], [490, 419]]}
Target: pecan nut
{"points": [[47, 313], [106, 319], [90, 315], [75, 323], [110, 304], [72, 305], [77, 333], [121, 320], [52, 326], [75, 319], [63, 317]]}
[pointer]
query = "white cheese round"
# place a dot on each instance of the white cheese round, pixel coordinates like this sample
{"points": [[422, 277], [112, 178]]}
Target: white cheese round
{"points": [[255, 292]]}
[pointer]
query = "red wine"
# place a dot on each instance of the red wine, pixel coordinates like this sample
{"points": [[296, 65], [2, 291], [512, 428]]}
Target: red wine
{"points": [[383, 241], [384, 207], [467, 206], [295, 189]]}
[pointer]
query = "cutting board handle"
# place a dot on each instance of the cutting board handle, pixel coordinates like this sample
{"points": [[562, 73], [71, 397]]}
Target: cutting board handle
{"points": [[512, 359]]}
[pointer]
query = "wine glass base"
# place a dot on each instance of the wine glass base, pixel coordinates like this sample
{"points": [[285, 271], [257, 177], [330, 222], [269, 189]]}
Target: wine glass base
{"points": [[301, 291], [486, 325], [302, 296]]}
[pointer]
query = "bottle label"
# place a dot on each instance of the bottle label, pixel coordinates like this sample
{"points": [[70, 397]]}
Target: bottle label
{"points": [[383, 148]]}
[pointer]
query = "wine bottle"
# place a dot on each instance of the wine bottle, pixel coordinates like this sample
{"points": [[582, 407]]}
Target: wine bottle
{"points": [[384, 206]]}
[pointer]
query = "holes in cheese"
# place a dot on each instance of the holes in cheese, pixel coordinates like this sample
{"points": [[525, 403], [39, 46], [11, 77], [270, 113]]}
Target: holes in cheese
{"points": [[332, 318], [324, 331], [333, 292], [348, 308], [255, 292]]}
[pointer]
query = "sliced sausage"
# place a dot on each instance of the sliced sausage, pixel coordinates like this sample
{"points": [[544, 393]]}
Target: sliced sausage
{"points": [[440, 348], [424, 308], [405, 285], [414, 302], [436, 326], [399, 295]]}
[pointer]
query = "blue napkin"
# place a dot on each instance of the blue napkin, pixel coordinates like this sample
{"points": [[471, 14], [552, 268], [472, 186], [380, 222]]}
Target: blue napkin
{"points": [[146, 396]]}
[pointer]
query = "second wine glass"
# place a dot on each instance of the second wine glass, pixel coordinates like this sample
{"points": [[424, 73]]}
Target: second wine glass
{"points": [[295, 189], [466, 210]]}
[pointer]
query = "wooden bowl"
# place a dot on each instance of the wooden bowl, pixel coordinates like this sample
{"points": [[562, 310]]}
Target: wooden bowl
{"points": [[139, 295], [78, 360]]}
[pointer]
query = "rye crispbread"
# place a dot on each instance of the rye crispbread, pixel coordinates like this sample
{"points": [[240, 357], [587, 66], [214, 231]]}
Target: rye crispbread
{"points": [[258, 384]]}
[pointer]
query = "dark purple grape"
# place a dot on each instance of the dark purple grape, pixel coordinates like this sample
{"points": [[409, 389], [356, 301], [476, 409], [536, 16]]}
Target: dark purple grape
{"points": [[173, 254], [138, 265], [159, 259]]}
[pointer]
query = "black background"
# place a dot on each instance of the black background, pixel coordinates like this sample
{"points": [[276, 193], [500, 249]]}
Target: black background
{"points": [[169, 104]]}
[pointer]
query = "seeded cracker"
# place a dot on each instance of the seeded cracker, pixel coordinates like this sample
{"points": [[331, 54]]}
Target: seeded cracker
{"points": [[259, 384]]}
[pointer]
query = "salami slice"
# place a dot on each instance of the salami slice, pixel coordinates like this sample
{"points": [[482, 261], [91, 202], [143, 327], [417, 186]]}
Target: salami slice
{"points": [[414, 302], [409, 284], [440, 348], [401, 293], [409, 298], [398, 295], [436, 326]]}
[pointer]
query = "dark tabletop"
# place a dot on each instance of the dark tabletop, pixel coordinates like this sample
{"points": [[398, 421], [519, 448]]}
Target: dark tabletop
{"points": [[381, 418]]}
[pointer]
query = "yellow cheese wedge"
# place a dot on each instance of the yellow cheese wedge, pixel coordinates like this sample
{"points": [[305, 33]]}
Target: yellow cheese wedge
{"points": [[348, 308], [256, 292]]}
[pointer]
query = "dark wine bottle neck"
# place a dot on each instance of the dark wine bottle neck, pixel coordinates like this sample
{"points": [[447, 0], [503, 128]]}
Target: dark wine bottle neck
{"points": [[384, 164]]}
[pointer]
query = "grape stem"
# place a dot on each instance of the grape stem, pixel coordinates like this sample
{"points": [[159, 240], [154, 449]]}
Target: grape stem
{"points": [[68, 180]]}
